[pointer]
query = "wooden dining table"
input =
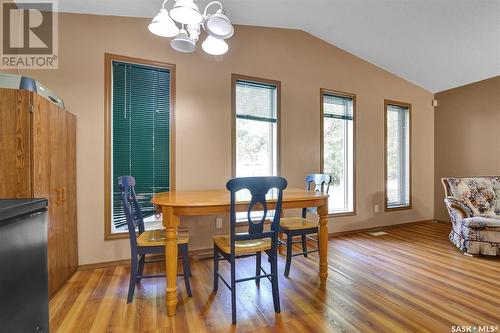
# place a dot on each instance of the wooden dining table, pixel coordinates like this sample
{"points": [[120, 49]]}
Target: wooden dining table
{"points": [[175, 204]]}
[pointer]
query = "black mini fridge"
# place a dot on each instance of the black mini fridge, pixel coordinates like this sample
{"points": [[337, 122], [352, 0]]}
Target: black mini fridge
{"points": [[23, 266]]}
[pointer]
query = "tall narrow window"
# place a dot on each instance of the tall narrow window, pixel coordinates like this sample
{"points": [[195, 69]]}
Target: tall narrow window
{"points": [[140, 104], [338, 149], [256, 116], [397, 155]]}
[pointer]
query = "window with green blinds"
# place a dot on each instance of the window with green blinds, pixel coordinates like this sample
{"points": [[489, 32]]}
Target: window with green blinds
{"points": [[140, 133]]}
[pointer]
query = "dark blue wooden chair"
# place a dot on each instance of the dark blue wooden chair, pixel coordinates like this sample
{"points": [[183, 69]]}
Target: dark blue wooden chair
{"points": [[255, 240], [301, 226], [143, 242]]}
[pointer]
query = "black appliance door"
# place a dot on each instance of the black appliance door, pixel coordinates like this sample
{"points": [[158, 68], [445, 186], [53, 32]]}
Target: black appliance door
{"points": [[23, 274]]}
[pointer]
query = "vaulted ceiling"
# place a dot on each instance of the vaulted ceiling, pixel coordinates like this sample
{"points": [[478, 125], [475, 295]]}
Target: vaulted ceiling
{"points": [[436, 44]]}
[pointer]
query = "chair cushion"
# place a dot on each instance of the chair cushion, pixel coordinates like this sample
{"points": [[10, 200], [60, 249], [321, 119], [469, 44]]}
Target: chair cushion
{"points": [[497, 193], [478, 193], [484, 221], [242, 247], [297, 223], [157, 237]]}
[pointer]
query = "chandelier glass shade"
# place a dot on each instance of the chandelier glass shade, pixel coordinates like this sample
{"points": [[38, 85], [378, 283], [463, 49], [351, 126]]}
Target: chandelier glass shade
{"points": [[182, 42], [186, 12], [214, 46], [218, 25], [162, 25]]}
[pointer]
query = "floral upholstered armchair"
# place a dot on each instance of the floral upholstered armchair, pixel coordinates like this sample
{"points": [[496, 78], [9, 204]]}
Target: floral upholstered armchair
{"points": [[474, 208]]}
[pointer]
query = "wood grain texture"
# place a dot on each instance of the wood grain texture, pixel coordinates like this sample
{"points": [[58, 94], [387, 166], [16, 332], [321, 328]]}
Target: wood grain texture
{"points": [[323, 242], [158, 237], [171, 223], [175, 204], [38, 160], [242, 247], [70, 200], [410, 280], [47, 154], [297, 223], [217, 198], [54, 178], [15, 141]]}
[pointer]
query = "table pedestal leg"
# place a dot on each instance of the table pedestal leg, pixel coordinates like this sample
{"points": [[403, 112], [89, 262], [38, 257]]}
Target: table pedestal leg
{"points": [[171, 222], [323, 242]]}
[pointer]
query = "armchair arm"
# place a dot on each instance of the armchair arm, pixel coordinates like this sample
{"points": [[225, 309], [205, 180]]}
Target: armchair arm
{"points": [[455, 206]]}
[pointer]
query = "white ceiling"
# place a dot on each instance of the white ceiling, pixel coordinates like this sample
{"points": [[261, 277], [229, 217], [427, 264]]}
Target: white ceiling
{"points": [[436, 44]]}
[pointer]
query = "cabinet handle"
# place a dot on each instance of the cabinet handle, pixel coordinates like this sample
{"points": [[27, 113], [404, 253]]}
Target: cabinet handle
{"points": [[63, 190], [59, 196]]}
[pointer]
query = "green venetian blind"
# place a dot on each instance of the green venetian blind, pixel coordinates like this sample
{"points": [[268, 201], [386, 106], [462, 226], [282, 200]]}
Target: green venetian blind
{"points": [[255, 101], [339, 107], [141, 117]]}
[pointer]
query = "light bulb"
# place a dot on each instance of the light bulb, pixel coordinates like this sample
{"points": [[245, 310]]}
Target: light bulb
{"points": [[214, 46]]}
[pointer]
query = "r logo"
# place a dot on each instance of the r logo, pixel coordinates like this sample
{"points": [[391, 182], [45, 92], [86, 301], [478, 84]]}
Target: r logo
{"points": [[29, 34], [27, 28]]}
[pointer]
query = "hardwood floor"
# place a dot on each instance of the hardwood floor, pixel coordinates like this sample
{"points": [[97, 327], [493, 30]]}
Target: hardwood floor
{"points": [[410, 280]]}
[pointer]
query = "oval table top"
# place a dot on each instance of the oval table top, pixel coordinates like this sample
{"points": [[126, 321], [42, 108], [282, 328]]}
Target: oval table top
{"points": [[222, 197]]}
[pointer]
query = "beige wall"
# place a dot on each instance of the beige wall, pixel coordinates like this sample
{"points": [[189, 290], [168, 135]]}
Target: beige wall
{"points": [[302, 63], [467, 135]]}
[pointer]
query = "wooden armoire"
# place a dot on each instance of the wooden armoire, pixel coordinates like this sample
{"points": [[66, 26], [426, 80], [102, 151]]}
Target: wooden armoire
{"points": [[38, 160]]}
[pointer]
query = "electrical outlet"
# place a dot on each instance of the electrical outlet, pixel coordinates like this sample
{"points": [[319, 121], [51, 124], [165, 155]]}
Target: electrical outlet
{"points": [[218, 223], [376, 208]]}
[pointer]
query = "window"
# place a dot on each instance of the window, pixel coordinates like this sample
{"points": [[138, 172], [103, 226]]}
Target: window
{"points": [[256, 108], [337, 141], [256, 128], [397, 155], [138, 133]]}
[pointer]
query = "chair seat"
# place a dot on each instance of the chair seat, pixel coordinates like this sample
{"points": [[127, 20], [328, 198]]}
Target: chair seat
{"points": [[157, 237], [242, 247], [297, 223], [483, 221]]}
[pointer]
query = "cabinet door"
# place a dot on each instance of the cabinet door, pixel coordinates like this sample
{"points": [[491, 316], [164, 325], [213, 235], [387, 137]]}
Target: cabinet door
{"points": [[70, 209], [49, 174], [15, 136], [59, 161]]}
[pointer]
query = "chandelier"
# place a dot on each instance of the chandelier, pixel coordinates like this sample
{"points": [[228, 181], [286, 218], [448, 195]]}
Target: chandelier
{"points": [[187, 14]]}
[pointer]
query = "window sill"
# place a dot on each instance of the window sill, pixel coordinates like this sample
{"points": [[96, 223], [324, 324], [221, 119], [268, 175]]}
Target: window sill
{"points": [[395, 208], [241, 217], [150, 223], [116, 235], [245, 221], [341, 214]]}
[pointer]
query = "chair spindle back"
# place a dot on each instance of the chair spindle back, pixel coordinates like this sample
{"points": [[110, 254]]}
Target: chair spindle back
{"points": [[321, 184], [131, 207], [258, 188]]}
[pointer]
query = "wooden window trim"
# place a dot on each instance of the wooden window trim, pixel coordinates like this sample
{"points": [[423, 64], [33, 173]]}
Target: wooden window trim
{"points": [[108, 59], [409, 106], [234, 78], [323, 92]]}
